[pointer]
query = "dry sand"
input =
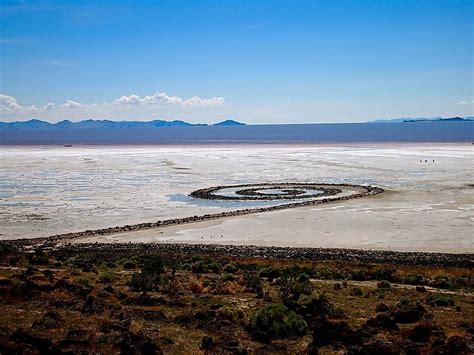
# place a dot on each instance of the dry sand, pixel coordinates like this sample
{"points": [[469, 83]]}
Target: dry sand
{"points": [[427, 207]]}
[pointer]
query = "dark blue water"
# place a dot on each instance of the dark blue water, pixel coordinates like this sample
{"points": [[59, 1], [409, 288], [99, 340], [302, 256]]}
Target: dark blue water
{"points": [[277, 134]]}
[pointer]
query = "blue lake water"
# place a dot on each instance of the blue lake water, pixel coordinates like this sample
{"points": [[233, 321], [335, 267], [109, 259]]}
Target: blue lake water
{"points": [[268, 134]]}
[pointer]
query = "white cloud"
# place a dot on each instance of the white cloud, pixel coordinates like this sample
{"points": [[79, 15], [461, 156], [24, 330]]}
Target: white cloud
{"points": [[9, 104], [163, 99], [72, 104], [465, 102], [131, 106], [49, 106], [58, 63]]}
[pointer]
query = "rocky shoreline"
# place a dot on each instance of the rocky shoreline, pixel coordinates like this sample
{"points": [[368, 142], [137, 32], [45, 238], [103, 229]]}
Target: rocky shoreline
{"points": [[290, 191], [462, 260]]}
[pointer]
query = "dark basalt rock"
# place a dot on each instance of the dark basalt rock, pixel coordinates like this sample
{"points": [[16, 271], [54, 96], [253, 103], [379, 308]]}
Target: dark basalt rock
{"points": [[227, 346], [455, 345], [9, 347], [329, 333], [382, 307], [31, 270], [204, 315], [409, 313], [131, 343], [106, 250], [144, 299], [273, 348], [374, 348], [423, 332], [50, 320], [42, 345], [253, 192], [5, 283], [28, 289], [382, 321], [128, 341], [109, 326], [148, 314], [74, 288], [206, 343]]}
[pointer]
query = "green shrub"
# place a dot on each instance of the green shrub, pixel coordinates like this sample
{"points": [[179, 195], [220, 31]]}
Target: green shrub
{"points": [[185, 266], [106, 277], [130, 265], [270, 272], [149, 277], [407, 301], [384, 274], [199, 267], [252, 281], [83, 281], [39, 257], [332, 274], [275, 322], [440, 301], [303, 277], [154, 266], [229, 277], [360, 275], [233, 314], [213, 267], [144, 281], [356, 291], [293, 287], [442, 281], [7, 248], [415, 279], [384, 284], [310, 307], [304, 300], [197, 258], [230, 268]]}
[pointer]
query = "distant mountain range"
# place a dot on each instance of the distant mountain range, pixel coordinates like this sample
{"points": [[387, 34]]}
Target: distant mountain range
{"points": [[38, 125], [433, 119], [106, 124]]}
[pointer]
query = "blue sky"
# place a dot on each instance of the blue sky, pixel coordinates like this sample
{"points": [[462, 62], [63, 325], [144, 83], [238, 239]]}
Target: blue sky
{"points": [[253, 61]]}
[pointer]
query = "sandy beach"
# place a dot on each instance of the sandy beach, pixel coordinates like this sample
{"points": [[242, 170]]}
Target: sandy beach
{"points": [[428, 204]]}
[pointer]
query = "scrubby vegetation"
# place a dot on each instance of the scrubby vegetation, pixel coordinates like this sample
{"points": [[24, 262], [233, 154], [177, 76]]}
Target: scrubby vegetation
{"points": [[114, 300], [275, 321]]}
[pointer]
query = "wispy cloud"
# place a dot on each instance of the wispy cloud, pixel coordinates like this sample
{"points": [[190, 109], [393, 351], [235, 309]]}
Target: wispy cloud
{"points": [[16, 41], [465, 102], [8, 40], [253, 26], [58, 63], [439, 73]]}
